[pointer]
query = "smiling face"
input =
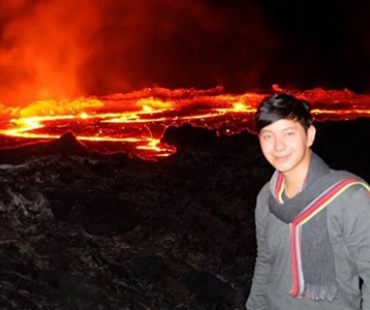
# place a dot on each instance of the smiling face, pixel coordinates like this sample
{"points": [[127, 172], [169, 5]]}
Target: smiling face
{"points": [[286, 146]]}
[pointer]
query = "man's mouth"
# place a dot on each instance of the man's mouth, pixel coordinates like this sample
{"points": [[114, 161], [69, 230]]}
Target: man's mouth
{"points": [[282, 159]]}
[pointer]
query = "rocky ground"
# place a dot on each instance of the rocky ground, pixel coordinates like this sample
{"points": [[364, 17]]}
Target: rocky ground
{"points": [[82, 230]]}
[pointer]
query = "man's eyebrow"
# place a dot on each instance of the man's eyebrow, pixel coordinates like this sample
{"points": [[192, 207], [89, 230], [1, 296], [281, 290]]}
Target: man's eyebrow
{"points": [[288, 128], [284, 129], [265, 131]]}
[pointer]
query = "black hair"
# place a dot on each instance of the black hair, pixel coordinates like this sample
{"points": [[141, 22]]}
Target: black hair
{"points": [[283, 106]]}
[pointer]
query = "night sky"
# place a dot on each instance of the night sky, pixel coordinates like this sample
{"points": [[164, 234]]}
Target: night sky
{"points": [[57, 49], [323, 43]]}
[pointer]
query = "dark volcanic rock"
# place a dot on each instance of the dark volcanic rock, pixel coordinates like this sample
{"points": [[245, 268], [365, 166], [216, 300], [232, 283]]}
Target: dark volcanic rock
{"points": [[90, 231], [67, 144], [189, 139]]}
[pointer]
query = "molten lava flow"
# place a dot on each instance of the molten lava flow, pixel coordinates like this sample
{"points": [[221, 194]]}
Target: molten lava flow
{"points": [[135, 122]]}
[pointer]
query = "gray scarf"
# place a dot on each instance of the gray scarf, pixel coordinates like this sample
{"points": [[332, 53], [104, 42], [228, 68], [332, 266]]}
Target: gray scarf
{"points": [[317, 259]]}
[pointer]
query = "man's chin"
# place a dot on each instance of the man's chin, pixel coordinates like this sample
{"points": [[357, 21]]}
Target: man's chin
{"points": [[282, 167]]}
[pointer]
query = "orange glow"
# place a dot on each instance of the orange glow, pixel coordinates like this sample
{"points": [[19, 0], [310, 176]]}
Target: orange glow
{"points": [[42, 48], [137, 120]]}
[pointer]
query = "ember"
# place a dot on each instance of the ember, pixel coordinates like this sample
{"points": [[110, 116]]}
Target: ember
{"points": [[135, 122]]}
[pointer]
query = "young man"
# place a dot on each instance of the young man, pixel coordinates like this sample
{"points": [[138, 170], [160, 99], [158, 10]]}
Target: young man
{"points": [[312, 223]]}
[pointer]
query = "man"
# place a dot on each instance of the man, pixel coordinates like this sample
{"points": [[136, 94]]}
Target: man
{"points": [[312, 222]]}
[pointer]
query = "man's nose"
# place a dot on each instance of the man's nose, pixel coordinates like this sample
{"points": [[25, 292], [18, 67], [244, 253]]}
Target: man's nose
{"points": [[279, 144]]}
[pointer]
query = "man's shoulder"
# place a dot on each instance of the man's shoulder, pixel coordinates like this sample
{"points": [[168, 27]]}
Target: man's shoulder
{"points": [[262, 208], [344, 175], [352, 182], [265, 190]]}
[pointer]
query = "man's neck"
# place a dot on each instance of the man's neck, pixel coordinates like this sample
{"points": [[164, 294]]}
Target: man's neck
{"points": [[293, 189], [294, 181]]}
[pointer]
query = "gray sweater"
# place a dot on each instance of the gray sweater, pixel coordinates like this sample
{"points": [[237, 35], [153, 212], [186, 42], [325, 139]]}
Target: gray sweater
{"points": [[348, 222]]}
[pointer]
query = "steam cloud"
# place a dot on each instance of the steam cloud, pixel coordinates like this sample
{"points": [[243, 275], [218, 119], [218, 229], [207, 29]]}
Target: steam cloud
{"points": [[65, 49]]}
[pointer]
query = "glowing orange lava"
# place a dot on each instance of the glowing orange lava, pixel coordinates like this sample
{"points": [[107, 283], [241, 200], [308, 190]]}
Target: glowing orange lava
{"points": [[136, 121]]}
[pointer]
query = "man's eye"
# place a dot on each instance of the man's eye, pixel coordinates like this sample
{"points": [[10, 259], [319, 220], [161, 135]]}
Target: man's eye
{"points": [[290, 133]]}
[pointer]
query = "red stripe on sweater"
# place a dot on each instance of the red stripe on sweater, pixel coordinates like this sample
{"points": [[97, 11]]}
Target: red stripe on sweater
{"points": [[322, 200], [293, 252], [279, 184], [293, 230]]}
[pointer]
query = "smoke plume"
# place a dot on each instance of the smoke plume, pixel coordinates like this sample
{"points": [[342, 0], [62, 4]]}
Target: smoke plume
{"points": [[52, 49]]}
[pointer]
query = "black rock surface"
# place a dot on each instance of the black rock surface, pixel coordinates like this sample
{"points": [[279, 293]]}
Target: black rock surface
{"points": [[81, 230]]}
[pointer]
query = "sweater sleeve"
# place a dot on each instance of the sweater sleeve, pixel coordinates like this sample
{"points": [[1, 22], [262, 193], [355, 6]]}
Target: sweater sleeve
{"points": [[257, 296], [357, 235]]}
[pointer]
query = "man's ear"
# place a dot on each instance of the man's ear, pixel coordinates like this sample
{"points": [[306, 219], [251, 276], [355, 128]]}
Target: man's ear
{"points": [[311, 133]]}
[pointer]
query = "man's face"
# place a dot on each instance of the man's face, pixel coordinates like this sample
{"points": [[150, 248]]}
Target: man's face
{"points": [[286, 145]]}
